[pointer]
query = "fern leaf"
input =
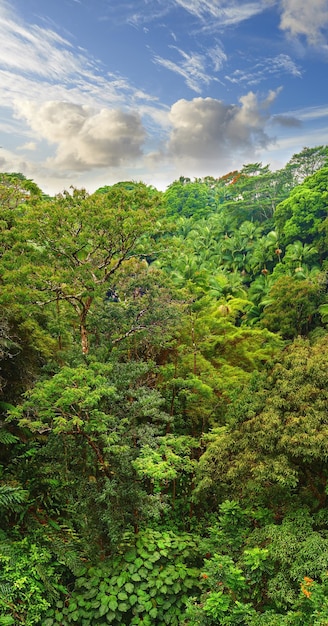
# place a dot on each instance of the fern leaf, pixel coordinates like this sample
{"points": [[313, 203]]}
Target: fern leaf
{"points": [[12, 497]]}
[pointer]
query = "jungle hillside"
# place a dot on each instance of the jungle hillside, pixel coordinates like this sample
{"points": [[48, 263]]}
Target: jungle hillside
{"points": [[164, 400]]}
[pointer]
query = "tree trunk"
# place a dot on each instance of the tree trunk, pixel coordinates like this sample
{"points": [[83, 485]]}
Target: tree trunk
{"points": [[83, 328]]}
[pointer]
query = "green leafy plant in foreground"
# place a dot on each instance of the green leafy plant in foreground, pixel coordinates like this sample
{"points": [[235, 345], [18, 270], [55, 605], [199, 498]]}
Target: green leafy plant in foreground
{"points": [[29, 582], [148, 582], [224, 586]]}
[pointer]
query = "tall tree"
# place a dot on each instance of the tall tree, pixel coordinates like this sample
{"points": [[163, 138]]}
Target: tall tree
{"points": [[70, 249], [307, 162]]}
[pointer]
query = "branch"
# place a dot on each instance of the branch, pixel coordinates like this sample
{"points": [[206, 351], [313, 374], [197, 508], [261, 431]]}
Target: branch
{"points": [[135, 329], [96, 451]]}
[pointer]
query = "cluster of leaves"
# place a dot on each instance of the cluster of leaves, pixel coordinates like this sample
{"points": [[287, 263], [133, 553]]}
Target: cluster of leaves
{"points": [[147, 582], [29, 582]]}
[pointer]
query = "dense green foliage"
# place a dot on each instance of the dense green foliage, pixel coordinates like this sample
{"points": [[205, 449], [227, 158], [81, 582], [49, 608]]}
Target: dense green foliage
{"points": [[164, 401]]}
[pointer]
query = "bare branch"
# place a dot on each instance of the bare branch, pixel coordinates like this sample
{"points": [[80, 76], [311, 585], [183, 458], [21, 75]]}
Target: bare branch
{"points": [[133, 330]]}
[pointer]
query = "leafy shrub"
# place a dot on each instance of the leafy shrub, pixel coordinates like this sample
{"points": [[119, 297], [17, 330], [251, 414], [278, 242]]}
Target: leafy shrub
{"points": [[28, 583], [147, 583]]}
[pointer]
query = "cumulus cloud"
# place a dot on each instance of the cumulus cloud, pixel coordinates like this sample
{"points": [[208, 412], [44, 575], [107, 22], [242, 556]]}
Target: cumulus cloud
{"points": [[84, 138], [207, 130], [305, 17], [11, 162]]}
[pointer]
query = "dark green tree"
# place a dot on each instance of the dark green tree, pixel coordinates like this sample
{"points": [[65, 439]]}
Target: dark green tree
{"points": [[275, 448]]}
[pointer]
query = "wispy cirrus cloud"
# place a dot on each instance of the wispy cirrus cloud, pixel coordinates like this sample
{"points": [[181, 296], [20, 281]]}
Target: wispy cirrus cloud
{"points": [[191, 67], [33, 58], [265, 69], [310, 113], [218, 57], [298, 17], [225, 12], [195, 67], [35, 51], [136, 12]]}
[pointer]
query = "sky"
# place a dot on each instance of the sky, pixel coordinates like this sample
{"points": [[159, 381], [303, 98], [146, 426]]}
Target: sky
{"points": [[93, 92]]}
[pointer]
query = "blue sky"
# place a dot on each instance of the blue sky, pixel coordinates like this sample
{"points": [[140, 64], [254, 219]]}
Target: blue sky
{"points": [[97, 91]]}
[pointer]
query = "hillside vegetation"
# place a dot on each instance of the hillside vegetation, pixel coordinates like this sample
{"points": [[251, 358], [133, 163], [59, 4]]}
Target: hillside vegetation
{"points": [[164, 401]]}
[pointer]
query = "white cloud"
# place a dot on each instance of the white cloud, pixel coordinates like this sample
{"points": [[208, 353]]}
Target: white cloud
{"points": [[138, 11], [77, 120], [264, 69], [309, 114], [85, 139], [103, 129], [298, 17], [194, 67], [207, 131], [10, 162], [29, 145], [191, 68], [34, 50], [312, 113], [284, 63], [39, 62], [226, 12], [305, 17], [218, 57]]}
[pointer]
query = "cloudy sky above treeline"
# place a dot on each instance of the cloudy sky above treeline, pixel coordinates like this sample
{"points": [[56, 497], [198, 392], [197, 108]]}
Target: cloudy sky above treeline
{"points": [[97, 91]]}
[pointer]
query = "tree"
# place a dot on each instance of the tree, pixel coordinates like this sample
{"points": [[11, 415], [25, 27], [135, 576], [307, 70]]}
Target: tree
{"points": [[69, 249], [291, 308], [84, 428], [211, 358], [307, 162], [16, 189], [275, 447], [254, 194], [301, 215], [190, 199]]}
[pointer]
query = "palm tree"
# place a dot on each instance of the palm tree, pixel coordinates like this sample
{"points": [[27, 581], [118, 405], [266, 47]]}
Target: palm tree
{"points": [[323, 310], [298, 253], [188, 269], [265, 251], [224, 285]]}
